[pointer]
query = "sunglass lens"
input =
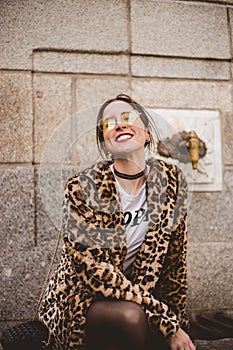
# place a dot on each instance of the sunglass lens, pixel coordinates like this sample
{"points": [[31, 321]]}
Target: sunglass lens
{"points": [[107, 124], [111, 123], [130, 117]]}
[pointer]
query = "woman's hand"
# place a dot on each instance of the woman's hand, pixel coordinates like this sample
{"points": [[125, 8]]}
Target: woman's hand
{"points": [[181, 341]]}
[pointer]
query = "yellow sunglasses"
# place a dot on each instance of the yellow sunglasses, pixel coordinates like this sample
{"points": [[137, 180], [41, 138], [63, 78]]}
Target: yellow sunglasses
{"points": [[109, 123]]}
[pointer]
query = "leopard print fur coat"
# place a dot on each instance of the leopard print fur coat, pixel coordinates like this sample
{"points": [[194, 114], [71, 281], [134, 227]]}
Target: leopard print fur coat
{"points": [[95, 247]]}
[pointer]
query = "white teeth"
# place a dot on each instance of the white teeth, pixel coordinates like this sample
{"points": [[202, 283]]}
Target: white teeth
{"points": [[123, 137]]}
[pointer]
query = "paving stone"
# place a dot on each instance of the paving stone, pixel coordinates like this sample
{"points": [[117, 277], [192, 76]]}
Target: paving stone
{"points": [[64, 25], [50, 61], [53, 109], [169, 93], [179, 29], [15, 117], [179, 68]]}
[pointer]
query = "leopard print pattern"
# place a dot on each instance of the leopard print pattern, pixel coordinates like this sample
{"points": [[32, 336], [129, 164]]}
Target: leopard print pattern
{"points": [[95, 247]]}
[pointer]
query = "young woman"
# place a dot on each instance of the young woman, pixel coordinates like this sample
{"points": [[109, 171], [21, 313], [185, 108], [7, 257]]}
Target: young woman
{"points": [[121, 283]]}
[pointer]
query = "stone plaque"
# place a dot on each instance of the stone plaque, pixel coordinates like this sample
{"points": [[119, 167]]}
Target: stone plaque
{"points": [[206, 123]]}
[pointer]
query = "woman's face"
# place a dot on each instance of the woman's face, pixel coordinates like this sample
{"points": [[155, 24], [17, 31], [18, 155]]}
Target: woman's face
{"points": [[123, 138]]}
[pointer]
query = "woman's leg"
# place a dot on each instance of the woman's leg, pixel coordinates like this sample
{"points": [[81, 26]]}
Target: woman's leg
{"points": [[116, 325], [120, 325]]}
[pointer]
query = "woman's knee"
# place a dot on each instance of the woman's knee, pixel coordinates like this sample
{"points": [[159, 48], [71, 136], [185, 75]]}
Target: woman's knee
{"points": [[133, 314], [119, 323], [95, 313], [120, 312]]}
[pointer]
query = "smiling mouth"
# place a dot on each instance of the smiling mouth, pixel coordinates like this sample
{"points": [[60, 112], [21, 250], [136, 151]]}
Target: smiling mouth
{"points": [[124, 137]]}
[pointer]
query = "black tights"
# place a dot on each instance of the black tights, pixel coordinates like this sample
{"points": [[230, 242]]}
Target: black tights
{"points": [[120, 325]]}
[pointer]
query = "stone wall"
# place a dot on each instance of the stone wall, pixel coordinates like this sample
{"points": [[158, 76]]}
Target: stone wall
{"points": [[61, 57]]}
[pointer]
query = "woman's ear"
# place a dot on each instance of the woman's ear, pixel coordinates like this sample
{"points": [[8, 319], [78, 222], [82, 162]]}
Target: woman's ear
{"points": [[148, 135], [148, 138]]}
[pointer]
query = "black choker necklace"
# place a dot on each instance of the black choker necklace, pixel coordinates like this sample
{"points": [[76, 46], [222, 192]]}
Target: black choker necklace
{"points": [[129, 177]]}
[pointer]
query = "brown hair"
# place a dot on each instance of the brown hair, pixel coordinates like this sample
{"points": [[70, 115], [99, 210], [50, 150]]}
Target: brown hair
{"points": [[144, 115]]}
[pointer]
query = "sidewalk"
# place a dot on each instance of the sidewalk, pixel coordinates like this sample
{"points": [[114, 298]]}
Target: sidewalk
{"points": [[217, 344], [220, 344]]}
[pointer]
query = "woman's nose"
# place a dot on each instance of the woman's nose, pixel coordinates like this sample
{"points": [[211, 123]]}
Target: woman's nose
{"points": [[120, 123]]}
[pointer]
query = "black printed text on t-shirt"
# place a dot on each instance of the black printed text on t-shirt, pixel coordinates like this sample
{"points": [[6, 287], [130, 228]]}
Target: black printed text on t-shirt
{"points": [[134, 219]]}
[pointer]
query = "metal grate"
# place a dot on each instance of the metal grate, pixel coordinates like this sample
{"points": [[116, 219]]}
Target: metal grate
{"points": [[217, 327]]}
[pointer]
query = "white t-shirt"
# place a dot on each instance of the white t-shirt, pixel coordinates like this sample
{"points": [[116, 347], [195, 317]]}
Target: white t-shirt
{"points": [[134, 208]]}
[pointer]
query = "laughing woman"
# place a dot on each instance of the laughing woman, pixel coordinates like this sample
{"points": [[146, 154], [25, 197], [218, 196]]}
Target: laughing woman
{"points": [[121, 283]]}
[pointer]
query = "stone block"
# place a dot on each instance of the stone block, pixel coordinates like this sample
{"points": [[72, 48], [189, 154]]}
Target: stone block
{"points": [[84, 149], [179, 29], [230, 10], [227, 2], [210, 276], [20, 296], [63, 25], [179, 68], [227, 138], [219, 2], [15, 117], [209, 219], [91, 92], [52, 109], [49, 194], [71, 62], [17, 242], [167, 93]]}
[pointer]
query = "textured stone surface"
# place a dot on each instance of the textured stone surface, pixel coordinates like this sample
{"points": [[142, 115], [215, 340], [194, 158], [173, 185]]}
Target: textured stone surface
{"points": [[49, 194], [227, 138], [50, 61], [231, 23], [179, 68], [210, 276], [53, 108], [15, 117], [68, 25], [179, 29], [17, 241], [210, 218], [26, 283], [85, 151], [219, 2], [91, 92], [182, 94], [49, 198]]}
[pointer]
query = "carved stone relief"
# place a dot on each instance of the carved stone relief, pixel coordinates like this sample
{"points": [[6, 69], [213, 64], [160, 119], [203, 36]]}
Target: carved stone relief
{"points": [[206, 124]]}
